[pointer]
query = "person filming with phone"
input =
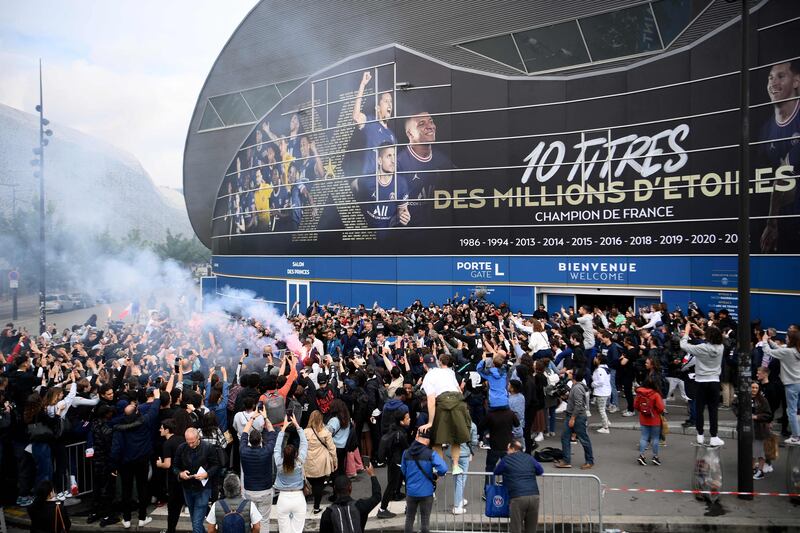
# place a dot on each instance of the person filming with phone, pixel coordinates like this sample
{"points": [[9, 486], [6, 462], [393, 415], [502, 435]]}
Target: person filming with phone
{"points": [[195, 463]]}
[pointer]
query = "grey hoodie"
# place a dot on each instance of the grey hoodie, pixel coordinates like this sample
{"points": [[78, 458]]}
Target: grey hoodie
{"points": [[707, 360], [790, 362]]}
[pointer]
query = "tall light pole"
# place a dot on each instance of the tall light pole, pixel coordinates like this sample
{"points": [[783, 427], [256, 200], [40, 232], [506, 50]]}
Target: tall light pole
{"points": [[43, 141], [743, 332]]}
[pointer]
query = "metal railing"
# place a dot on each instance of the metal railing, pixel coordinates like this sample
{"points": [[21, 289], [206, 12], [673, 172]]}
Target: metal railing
{"points": [[79, 466], [567, 503]]}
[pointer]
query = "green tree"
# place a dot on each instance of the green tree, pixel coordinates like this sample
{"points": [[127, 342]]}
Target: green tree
{"points": [[183, 250]]}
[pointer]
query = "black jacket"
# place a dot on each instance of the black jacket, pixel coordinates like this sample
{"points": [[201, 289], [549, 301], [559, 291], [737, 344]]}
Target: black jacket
{"points": [[191, 459], [44, 518], [364, 506]]}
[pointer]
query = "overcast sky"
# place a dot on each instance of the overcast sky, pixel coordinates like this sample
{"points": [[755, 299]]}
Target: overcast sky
{"points": [[128, 71]]}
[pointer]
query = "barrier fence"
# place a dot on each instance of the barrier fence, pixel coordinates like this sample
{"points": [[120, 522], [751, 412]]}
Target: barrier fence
{"points": [[79, 466], [567, 503]]}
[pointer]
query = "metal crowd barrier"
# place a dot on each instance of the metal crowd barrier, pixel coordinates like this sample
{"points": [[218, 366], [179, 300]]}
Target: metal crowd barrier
{"points": [[567, 503], [79, 466]]}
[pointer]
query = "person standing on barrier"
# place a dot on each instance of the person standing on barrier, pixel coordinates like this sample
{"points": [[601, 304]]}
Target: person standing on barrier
{"points": [[708, 366], [447, 412], [467, 454], [519, 471], [575, 420], [421, 466]]}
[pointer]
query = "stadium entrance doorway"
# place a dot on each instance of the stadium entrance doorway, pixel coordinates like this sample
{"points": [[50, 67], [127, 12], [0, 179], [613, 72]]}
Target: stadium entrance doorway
{"points": [[554, 298]]}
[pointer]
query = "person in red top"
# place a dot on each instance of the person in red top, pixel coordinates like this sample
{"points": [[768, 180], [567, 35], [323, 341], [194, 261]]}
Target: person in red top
{"points": [[650, 405], [273, 385]]}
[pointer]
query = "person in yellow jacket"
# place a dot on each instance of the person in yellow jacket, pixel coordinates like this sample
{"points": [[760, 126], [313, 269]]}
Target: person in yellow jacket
{"points": [[262, 195]]}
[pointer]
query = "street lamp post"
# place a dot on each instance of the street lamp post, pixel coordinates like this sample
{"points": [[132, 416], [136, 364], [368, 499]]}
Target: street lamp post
{"points": [[43, 141]]}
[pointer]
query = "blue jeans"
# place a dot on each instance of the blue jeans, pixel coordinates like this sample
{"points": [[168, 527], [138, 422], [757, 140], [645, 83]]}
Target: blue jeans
{"points": [[649, 434], [612, 374], [461, 480], [197, 503], [551, 422], [792, 393], [44, 461], [583, 438]]}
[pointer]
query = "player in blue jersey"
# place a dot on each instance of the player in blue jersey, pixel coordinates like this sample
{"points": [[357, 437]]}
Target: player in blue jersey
{"points": [[418, 163], [783, 86], [385, 194], [310, 163], [374, 126]]}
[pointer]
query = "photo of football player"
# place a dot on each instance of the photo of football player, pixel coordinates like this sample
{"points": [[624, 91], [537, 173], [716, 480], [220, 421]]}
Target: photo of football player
{"points": [[373, 125], [385, 195]]}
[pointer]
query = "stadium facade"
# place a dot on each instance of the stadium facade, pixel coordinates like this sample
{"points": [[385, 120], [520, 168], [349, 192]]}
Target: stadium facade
{"points": [[524, 151]]}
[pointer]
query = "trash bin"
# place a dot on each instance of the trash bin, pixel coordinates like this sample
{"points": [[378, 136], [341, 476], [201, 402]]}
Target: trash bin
{"points": [[793, 472], [707, 474]]}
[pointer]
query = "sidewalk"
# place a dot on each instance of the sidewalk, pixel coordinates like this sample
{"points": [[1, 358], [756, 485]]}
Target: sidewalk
{"points": [[616, 466]]}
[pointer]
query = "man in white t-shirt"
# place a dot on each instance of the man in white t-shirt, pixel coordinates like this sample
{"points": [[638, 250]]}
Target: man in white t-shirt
{"points": [[448, 416], [233, 500]]}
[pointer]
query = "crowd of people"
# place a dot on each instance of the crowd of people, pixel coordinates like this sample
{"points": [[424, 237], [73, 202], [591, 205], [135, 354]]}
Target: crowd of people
{"points": [[233, 409]]}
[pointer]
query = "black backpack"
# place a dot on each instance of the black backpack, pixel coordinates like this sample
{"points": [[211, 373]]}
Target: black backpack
{"points": [[352, 439], [346, 518], [548, 455], [233, 521]]}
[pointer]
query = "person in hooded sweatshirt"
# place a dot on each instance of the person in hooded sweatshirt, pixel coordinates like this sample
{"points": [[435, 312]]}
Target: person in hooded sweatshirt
{"points": [[601, 386], [650, 405], [418, 465], [131, 448], [708, 365], [789, 357]]}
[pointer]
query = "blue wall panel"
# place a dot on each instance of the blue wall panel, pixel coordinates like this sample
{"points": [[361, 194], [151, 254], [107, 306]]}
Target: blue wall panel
{"points": [[522, 299], [708, 280]]}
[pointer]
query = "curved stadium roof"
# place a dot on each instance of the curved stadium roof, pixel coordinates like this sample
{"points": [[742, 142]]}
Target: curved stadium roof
{"points": [[280, 44]]}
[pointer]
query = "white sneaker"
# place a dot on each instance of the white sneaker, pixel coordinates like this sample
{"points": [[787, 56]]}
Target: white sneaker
{"points": [[603, 430], [716, 441], [612, 408], [539, 437], [146, 521], [628, 413], [126, 524], [792, 440], [459, 510], [464, 503], [767, 468], [700, 440]]}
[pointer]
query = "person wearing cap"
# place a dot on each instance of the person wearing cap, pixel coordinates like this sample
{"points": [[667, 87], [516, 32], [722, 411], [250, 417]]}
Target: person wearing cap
{"points": [[421, 466], [448, 417]]}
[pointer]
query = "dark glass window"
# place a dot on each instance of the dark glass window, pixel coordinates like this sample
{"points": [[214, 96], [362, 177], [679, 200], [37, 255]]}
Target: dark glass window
{"points": [[551, 47], [262, 99], [285, 87], [621, 33], [210, 119], [232, 109], [675, 15], [500, 48]]}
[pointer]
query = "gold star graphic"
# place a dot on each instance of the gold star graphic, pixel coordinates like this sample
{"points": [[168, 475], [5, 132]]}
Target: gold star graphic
{"points": [[330, 169]]}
